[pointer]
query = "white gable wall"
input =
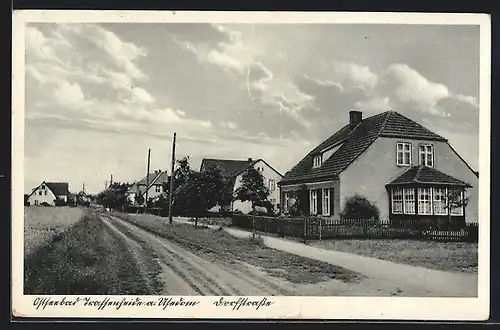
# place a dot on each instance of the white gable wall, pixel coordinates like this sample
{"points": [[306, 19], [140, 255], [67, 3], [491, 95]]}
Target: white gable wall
{"points": [[42, 196]]}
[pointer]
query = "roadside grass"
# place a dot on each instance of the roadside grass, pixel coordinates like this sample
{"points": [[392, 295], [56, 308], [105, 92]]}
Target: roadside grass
{"points": [[42, 224], [86, 259], [446, 256], [219, 246]]}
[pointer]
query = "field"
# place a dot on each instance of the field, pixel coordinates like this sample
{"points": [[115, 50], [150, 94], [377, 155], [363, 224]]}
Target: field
{"points": [[216, 245], [83, 257], [447, 256], [41, 224]]}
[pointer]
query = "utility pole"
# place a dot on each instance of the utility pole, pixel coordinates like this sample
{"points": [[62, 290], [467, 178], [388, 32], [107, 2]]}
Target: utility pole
{"points": [[83, 187], [111, 182], [171, 182], [147, 182]]}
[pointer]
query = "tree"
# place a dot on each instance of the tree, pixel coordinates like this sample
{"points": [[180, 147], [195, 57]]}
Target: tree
{"points": [[359, 207], [253, 190], [301, 196], [219, 188], [455, 199], [196, 194], [115, 196]]}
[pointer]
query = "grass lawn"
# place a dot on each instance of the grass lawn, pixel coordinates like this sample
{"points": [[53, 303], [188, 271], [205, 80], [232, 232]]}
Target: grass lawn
{"points": [[217, 245], [85, 259], [41, 224], [447, 256]]}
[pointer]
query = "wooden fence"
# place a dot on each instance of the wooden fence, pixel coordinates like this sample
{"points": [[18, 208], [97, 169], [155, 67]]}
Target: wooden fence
{"points": [[318, 229]]}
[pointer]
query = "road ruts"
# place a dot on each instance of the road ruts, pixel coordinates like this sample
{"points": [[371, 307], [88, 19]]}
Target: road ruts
{"points": [[185, 273]]}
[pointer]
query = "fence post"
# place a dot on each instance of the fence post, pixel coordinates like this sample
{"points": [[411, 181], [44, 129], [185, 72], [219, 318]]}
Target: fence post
{"points": [[305, 230], [320, 224]]}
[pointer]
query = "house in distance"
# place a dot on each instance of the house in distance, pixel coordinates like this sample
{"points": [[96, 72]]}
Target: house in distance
{"points": [[156, 182], [404, 168], [48, 192], [233, 171]]}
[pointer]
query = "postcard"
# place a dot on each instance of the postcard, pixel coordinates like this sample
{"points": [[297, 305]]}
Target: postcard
{"points": [[258, 165]]}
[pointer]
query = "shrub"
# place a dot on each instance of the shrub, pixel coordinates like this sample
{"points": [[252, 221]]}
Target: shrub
{"points": [[359, 207], [45, 204], [59, 202]]}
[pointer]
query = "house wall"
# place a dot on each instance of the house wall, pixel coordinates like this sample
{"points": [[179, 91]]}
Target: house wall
{"points": [[376, 167], [269, 174], [335, 185], [152, 193], [36, 197]]}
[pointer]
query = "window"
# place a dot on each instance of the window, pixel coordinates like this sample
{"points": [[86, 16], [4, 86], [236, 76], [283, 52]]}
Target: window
{"points": [[272, 185], [40, 192], [458, 210], [313, 200], [317, 161], [409, 201], [285, 204], [158, 189], [424, 201], [403, 157], [36, 201], [439, 202], [45, 192], [426, 155], [397, 201], [326, 202]]}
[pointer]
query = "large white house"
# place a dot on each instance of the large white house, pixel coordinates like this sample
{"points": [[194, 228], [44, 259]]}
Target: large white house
{"points": [[233, 170], [48, 192]]}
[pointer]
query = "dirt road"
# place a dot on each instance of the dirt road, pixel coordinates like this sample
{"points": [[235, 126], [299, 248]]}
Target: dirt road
{"points": [[184, 273]]}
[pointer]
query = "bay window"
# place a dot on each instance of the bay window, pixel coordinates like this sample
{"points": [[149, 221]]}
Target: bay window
{"points": [[403, 154], [458, 210], [424, 201], [426, 155], [397, 201], [440, 201], [313, 200], [409, 201], [326, 202]]}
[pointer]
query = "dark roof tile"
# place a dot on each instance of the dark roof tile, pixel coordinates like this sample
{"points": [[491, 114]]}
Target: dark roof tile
{"points": [[228, 167], [421, 174], [353, 143]]}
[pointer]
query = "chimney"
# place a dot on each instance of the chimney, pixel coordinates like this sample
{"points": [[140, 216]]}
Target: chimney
{"points": [[355, 117]]}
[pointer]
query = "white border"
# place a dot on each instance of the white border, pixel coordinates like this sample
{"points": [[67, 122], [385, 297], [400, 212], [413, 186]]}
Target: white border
{"points": [[284, 307]]}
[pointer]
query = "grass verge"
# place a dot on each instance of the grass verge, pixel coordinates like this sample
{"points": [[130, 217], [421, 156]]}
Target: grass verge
{"points": [[446, 256], [86, 259], [219, 246]]}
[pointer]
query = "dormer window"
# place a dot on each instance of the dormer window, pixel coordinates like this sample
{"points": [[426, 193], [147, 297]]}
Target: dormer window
{"points": [[403, 154], [317, 161]]}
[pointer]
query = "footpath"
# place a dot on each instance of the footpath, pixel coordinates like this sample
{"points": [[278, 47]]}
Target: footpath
{"points": [[411, 280]]}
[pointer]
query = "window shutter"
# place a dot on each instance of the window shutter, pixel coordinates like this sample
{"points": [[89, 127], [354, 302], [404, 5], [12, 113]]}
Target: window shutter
{"points": [[332, 203], [319, 201]]}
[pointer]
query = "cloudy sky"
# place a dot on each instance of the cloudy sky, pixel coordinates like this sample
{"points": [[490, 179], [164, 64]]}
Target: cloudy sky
{"points": [[99, 95]]}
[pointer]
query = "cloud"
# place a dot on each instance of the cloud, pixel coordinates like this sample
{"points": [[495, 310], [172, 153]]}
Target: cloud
{"points": [[241, 54]]}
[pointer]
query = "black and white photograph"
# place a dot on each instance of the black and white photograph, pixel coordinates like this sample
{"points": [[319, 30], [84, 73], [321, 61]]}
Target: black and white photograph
{"points": [[252, 161]]}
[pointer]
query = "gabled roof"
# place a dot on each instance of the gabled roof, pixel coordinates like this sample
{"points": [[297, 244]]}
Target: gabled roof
{"points": [[57, 188], [156, 178], [228, 167], [232, 168], [421, 174], [353, 142]]}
